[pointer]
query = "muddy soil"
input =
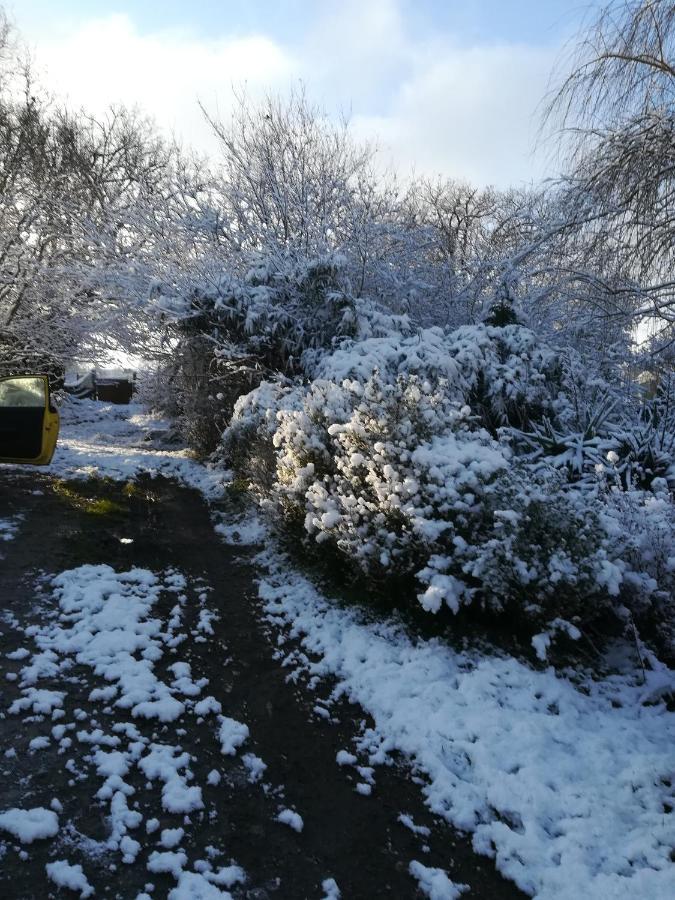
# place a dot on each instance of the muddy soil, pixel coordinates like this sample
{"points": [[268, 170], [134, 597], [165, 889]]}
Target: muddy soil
{"points": [[355, 839]]}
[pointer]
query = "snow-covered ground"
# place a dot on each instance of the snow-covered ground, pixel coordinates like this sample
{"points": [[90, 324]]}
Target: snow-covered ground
{"points": [[121, 442], [568, 785], [105, 622]]}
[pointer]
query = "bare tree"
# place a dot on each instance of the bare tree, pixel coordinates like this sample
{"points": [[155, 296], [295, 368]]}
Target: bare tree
{"points": [[617, 111], [289, 175], [70, 187]]}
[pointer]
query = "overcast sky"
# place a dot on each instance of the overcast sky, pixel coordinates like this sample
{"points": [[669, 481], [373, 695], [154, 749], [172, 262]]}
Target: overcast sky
{"points": [[449, 87]]}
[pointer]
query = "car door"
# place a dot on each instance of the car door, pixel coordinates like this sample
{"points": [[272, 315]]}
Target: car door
{"points": [[29, 426]]}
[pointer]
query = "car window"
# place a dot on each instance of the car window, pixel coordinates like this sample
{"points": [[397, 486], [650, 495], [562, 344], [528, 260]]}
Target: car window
{"points": [[22, 392]]}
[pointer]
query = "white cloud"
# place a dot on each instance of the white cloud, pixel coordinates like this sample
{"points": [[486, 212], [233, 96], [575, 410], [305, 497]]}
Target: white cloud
{"points": [[358, 50], [467, 113], [165, 74], [432, 104]]}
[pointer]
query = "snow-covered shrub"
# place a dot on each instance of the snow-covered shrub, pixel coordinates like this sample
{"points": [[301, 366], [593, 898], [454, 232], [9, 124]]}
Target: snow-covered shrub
{"points": [[512, 377], [383, 470], [505, 375], [579, 453], [194, 394], [641, 525], [594, 431], [287, 314], [408, 455], [402, 480], [278, 321], [239, 331], [544, 553], [247, 444], [280, 310], [645, 448], [579, 428]]}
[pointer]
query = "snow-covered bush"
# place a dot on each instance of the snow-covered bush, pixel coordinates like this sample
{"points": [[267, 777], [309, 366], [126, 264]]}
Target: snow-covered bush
{"points": [[19, 356], [247, 444], [402, 480], [646, 448], [382, 470], [390, 462], [641, 525], [505, 374], [281, 309], [279, 321], [405, 384], [424, 456], [544, 552], [579, 428]]}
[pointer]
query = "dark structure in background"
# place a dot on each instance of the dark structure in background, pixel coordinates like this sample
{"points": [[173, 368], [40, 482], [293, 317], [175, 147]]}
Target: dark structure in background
{"points": [[115, 390], [106, 385]]}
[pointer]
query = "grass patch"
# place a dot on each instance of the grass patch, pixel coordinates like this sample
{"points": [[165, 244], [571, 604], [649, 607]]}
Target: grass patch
{"points": [[132, 489], [78, 498]]}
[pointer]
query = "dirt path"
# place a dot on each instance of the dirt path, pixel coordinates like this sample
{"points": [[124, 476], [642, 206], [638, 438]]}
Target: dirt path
{"points": [[356, 840]]}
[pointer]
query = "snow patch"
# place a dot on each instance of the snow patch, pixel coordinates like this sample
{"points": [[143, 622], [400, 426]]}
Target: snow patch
{"points": [[330, 889], [9, 528], [292, 819], [167, 861], [408, 821], [171, 837], [255, 766], [69, 876], [434, 883], [232, 734], [28, 825]]}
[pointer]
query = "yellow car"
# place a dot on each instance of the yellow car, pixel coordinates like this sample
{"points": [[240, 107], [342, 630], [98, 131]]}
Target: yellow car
{"points": [[29, 423]]}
